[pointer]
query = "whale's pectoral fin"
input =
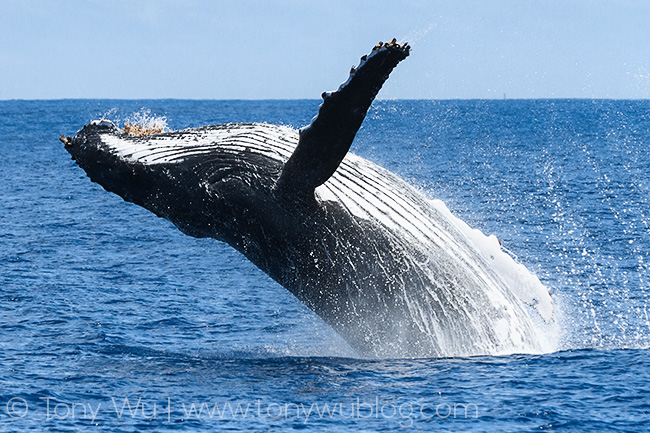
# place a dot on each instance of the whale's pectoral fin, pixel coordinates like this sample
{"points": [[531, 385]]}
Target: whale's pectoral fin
{"points": [[325, 142]]}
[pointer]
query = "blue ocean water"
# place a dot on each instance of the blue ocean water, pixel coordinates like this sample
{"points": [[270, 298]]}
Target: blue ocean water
{"points": [[112, 320]]}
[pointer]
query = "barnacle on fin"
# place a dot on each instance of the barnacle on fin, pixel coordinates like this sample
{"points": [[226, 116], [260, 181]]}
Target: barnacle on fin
{"points": [[392, 44]]}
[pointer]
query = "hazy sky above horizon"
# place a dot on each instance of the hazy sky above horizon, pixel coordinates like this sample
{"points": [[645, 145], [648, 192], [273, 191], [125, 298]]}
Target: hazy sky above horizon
{"points": [[288, 49]]}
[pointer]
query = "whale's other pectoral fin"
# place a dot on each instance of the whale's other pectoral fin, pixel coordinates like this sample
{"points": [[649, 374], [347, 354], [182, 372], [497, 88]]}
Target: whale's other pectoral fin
{"points": [[325, 142]]}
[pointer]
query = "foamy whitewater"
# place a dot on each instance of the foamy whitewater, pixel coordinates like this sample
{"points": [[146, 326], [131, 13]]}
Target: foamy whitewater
{"points": [[523, 283]]}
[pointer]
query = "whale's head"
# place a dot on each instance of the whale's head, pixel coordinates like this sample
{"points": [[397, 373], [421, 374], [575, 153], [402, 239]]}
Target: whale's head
{"points": [[132, 167], [100, 149], [200, 179]]}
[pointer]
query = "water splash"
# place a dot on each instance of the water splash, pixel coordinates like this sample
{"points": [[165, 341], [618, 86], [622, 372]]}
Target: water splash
{"points": [[521, 282], [144, 123], [566, 185], [416, 35], [139, 123]]}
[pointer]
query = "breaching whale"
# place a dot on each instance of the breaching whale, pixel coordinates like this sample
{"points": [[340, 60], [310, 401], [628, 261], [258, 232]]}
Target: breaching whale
{"points": [[385, 267]]}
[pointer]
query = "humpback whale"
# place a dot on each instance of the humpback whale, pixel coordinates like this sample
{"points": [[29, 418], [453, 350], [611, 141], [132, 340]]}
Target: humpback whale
{"points": [[385, 267]]}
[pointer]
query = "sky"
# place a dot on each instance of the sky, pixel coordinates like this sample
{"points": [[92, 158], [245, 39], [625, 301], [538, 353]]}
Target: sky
{"points": [[296, 49]]}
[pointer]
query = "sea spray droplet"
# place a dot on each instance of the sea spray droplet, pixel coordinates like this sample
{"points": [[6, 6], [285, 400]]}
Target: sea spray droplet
{"points": [[143, 123]]}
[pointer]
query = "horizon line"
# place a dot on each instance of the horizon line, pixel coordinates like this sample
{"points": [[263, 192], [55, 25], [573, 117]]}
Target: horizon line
{"points": [[319, 99]]}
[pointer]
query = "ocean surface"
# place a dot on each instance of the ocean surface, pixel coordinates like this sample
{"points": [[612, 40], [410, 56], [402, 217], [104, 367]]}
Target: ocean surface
{"points": [[112, 320]]}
